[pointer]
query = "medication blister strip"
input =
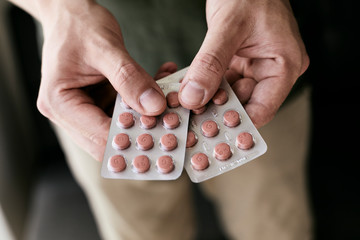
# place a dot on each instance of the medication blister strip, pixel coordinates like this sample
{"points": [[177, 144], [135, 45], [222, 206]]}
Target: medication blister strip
{"points": [[220, 160], [143, 169]]}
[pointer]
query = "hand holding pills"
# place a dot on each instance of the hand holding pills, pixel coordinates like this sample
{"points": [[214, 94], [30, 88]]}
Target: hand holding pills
{"points": [[218, 138], [260, 62], [147, 147]]}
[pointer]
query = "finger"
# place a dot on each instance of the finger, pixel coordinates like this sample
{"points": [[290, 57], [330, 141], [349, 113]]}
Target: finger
{"points": [[266, 99], [165, 70], [206, 71], [75, 112], [273, 81], [161, 75], [167, 67], [243, 89], [232, 76], [133, 83]]}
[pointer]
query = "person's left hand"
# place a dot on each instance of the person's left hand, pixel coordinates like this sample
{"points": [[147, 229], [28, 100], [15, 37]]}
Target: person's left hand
{"points": [[256, 44]]}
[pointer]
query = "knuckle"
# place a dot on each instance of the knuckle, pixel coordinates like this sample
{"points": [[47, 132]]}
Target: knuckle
{"points": [[46, 102], [305, 65], [211, 63], [123, 73], [260, 114], [43, 106], [98, 139]]}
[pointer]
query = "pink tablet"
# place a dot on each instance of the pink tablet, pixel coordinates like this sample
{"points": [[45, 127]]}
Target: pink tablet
{"points": [[168, 142], [220, 97], [171, 120], [145, 141], [222, 151], [200, 161], [116, 163], [231, 118], [148, 122], [191, 139], [141, 163], [172, 99], [209, 128], [121, 141], [244, 141], [126, 120], [165, 164]]}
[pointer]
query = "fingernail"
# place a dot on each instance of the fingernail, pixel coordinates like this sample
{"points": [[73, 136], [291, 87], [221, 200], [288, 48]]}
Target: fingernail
{"points": [[192, 94], [152, 100]]}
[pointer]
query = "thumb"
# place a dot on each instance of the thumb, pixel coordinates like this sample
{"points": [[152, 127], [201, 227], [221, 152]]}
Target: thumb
{"points": [[132, 82], [207, 69]]}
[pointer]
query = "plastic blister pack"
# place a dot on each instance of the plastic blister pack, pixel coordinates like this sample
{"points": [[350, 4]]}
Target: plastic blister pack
{"points": [[211, 141], [221, 137], [147, 148]]}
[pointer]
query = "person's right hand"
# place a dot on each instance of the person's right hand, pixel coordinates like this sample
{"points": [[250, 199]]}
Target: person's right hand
{"points": [[83, 48]]}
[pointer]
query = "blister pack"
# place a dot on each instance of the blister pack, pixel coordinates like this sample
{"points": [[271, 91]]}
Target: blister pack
{"points": [[147, 148], [221, 137]]}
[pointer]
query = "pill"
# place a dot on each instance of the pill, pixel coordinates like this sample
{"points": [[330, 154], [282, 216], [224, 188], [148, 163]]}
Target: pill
{"points": [[220, 97], [148, 122], [199, 110], [116, 163], [209, 128], [141, 163], [171, 120], [121, 141], [222, 151], [231, 118], [244, 140], [165, 164], [126, 120], [191, 139], [168, 142], [199, 161], [145, 141], [172, 99]]}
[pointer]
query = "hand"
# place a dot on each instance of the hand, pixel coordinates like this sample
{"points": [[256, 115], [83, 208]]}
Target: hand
{"points": [[84, 55], [257, 46]]}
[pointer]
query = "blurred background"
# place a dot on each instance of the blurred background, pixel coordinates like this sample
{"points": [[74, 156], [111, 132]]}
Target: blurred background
{"points": [[39, 199]]}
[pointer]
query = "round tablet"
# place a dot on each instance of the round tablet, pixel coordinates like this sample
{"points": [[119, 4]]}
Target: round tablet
{"points": [[121, 141], [171, 120], [199, 161], [199, 110], [168, 142], [116, 163], [209, 128], [231, 118], [222, 151], [191, 139], [141, 163], [148, 122], [145, 141], [172, 99], [126, 120], [165, 164], [220, 97], [244, 141]]}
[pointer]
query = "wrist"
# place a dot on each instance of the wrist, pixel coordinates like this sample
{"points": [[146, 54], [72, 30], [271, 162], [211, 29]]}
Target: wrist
{"points": [[48, 12]]}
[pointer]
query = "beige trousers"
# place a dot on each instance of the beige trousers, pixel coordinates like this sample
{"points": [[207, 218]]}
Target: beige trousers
{"points": [[264, 199]]}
